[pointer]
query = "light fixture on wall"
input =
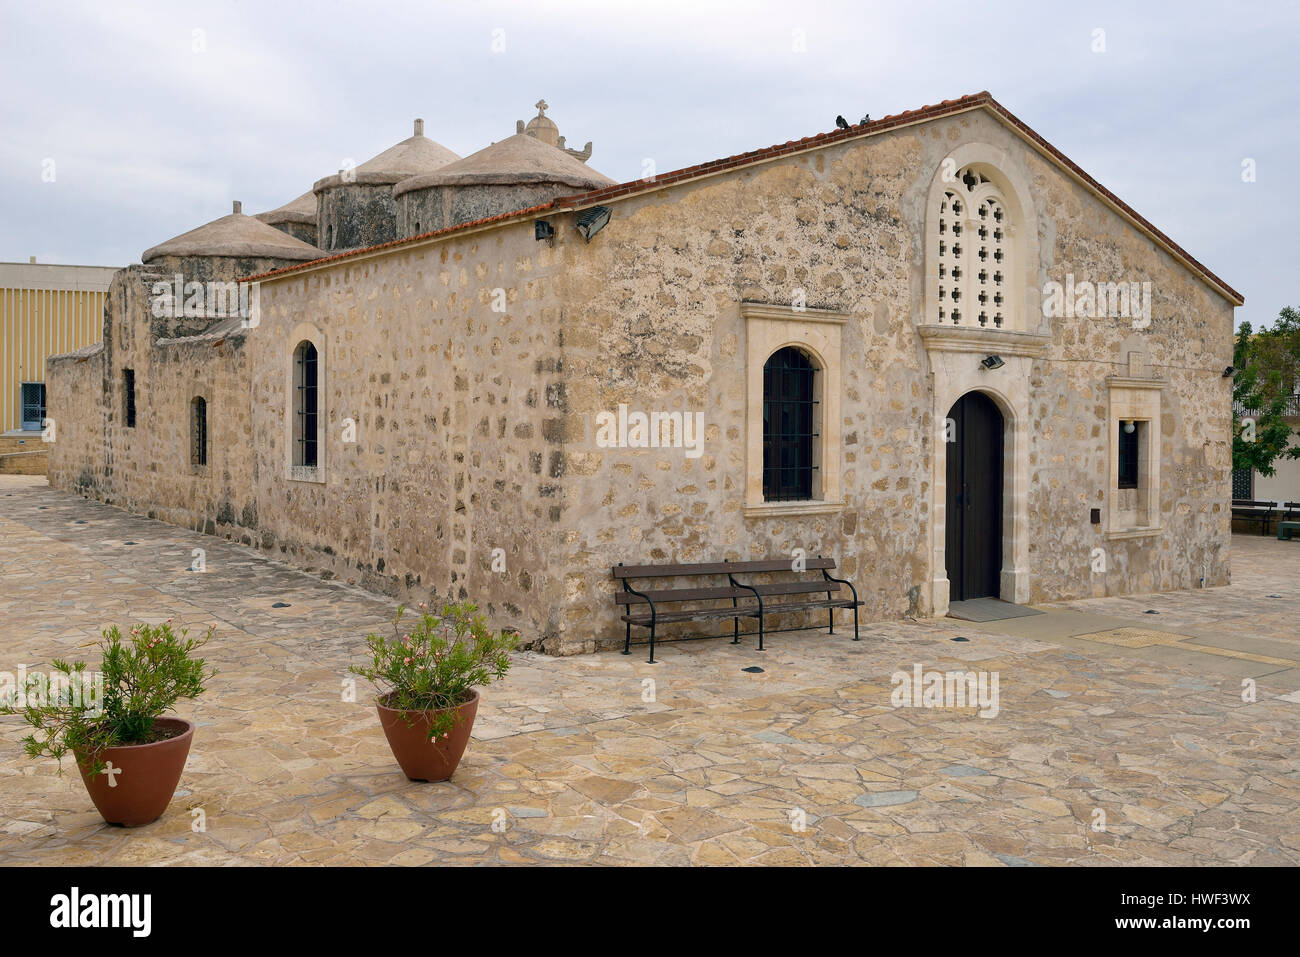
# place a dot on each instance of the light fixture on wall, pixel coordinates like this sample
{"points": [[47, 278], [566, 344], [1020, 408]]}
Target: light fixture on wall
{"points": [[543, 230], [992, 362], [1229, 372], [1129, 426], [591, 221]]}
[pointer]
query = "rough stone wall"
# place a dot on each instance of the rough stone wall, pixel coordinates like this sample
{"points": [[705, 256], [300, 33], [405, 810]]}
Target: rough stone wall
{"points": [[425, 210], [459, 415], [653, 322], [352, 215], [304, 231], [211, 268], [1188, 343], [147, 469]]}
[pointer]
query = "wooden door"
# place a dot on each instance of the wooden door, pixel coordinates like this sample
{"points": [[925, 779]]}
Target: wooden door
{"points": [[974, 514]]}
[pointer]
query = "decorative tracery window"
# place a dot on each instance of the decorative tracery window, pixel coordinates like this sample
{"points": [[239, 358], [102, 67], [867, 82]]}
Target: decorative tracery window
{"points": [[971, 253]]}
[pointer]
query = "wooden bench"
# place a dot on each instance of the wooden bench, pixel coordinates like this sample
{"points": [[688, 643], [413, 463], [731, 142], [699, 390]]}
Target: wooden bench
{"points": [[796, 595], [1251, 510]]}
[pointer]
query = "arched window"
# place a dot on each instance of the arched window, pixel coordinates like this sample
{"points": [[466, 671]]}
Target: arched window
{"points": [[198, 431], [305, 405], [971, 253], [789, 425]]}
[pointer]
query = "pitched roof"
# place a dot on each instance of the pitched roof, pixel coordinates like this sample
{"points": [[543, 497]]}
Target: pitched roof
{"points": [[235, 235], [983, 100], [516, 159]]}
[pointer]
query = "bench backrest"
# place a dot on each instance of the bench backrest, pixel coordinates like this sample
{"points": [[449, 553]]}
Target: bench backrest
{"points": [[718, 568], [1248, 503]]}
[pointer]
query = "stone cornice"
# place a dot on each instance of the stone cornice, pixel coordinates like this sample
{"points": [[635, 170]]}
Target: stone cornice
{"points": [[768, 310], [946, 338], [1135, 382]]}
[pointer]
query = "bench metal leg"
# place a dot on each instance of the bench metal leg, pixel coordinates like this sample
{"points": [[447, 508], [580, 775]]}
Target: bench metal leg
{"points": [[652, 641], [830, 614], [735, 631], [855, 622], [627, 640], [760, 632]]}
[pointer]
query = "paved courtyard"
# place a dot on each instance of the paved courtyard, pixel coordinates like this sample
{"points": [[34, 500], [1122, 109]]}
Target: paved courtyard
{"points": [[1132, 746]]}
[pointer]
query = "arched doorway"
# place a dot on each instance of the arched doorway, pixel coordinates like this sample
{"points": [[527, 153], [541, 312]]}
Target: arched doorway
{"points": [[973, 518]]}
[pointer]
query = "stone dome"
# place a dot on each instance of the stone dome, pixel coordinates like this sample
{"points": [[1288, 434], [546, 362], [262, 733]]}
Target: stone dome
{"points": [[300, 210], [356, 206], [518, 172], [542, 127], [518, 159], [234, 236], [413, 155], [296, 218]]}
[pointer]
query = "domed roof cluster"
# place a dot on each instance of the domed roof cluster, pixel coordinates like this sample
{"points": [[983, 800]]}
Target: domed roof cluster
{"points": [[414, 185]]}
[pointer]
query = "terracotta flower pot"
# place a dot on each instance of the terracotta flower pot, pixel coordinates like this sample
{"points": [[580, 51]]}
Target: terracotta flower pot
{"points": [[420, 758], [141, 778]]}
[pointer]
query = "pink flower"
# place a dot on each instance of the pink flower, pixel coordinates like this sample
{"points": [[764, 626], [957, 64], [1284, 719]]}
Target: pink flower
{"points": [[406, 661]]}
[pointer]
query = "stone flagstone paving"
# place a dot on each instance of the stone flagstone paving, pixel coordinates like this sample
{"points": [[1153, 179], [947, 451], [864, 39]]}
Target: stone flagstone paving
{"points": [[804, 763]]}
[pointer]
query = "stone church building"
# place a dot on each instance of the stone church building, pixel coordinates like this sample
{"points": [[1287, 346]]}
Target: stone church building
{"points": [[927, 345]]}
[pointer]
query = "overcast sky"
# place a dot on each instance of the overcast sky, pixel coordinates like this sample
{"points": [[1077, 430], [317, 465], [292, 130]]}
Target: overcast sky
{"points": [[153, 128]]}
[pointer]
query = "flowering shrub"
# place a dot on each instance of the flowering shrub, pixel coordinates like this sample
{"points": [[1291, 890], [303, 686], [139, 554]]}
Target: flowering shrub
{"points": [[436, 662], [144, 675]]}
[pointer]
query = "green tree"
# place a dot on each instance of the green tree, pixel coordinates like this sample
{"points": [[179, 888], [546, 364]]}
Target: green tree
{"points": [[1263, 390]]}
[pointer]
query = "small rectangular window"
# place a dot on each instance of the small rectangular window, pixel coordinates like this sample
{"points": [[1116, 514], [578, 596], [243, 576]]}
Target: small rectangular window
{"points": [[33, 399], [1130, 434], [199, 429], [128, 391], [1243, 483]]}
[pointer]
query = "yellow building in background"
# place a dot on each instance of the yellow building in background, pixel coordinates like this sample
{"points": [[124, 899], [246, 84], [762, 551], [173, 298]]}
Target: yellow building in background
{"points": [[44, 310]]}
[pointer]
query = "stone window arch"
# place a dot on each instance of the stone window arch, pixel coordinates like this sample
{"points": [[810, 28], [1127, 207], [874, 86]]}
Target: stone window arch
{"points": [[306, 405], [793, 360], [791, 425], [306, 363]]}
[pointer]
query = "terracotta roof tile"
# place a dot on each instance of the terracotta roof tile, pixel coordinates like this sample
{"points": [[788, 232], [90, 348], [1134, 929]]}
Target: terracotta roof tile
{"points": [[932, 111]]}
